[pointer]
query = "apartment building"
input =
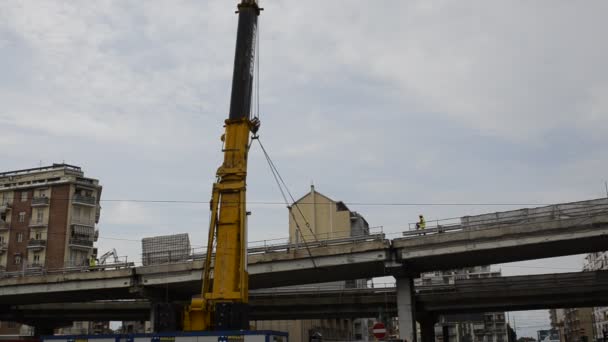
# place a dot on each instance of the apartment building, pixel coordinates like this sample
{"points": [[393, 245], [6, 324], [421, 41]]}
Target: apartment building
{"points": [[574, 324], [593, 262], [481, 327], [48, 218], [316, 217], [583, 324]]}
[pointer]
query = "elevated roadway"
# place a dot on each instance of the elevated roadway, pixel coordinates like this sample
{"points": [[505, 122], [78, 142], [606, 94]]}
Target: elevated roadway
{"points": [[578, 289], [369, 257], [524, 234]]}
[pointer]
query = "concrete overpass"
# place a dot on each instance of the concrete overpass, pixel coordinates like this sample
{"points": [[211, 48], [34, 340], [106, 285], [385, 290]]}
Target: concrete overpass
{"points": [[364, 258], [498, 237], [577, 289]]}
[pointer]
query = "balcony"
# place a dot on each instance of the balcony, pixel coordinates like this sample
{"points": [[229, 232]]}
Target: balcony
{"points": [[97, 214], [40, 201], [84, 200], [4, 207], [36, 244], [84, 243], [35, 265], [76, 222], [38, 224], [3, 247], [4, 225]]}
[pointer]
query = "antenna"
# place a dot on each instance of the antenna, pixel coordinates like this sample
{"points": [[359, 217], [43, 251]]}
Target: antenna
{"points": [[606, 186]]}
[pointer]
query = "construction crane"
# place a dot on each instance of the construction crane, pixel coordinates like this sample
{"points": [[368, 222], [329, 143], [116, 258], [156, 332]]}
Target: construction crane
{"points": [[222, 304], [106, 255]]}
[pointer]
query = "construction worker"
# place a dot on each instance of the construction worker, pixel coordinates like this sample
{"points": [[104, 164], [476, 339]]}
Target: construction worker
{"points": [[92, 262], [421, 224]]}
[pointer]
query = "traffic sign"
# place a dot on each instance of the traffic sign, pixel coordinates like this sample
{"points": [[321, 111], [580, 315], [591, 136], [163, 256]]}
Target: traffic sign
{"points": [[379, 330]]}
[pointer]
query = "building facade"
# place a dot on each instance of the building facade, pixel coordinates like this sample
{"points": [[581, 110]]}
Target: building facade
{"points": [[48, 218], [551, 335], [317, 217], [574, 324], [583, 324], [593, 262], [482, 327]]}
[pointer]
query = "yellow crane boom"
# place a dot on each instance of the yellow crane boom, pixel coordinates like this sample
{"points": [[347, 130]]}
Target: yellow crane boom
{"points": [[222, 304]]}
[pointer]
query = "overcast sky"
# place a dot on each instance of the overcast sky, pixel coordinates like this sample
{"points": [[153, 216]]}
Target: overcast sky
{"points": [[373, 101]]}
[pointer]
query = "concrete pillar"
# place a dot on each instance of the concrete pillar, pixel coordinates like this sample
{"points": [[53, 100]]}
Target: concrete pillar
{"points": [[163, 317], [427, 329], [406, 309]]}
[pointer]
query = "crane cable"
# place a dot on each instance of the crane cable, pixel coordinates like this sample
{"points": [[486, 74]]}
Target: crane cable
{"points": [[278, 179], [273, 167], [275, 172]]}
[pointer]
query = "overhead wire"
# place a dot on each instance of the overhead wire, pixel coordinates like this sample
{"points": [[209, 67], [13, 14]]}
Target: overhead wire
{"points": [[197, 201]]}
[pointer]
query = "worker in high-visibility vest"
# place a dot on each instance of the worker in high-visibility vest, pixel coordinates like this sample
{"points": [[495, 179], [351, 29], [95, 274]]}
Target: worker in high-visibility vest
{"points": [[421, 224], [92, 262]]}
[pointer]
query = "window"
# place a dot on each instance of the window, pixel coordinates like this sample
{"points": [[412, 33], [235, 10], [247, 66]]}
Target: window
{"points": [[24, 196], [36, 258], [39, 215], [17, 259], [1, 238], [22, 216], [38, 236], [42, 193], [19, 237]]}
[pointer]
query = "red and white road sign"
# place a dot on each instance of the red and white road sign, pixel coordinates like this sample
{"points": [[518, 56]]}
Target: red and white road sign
{"points": [[379, 330]]}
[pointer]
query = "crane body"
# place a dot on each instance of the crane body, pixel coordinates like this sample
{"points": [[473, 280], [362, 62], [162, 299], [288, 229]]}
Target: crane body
{"points": [[222, 304]]}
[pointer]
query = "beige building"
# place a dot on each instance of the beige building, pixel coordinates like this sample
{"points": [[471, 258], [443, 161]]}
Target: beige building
{"points": [[318, 217], [574, 325], [48, 218]]}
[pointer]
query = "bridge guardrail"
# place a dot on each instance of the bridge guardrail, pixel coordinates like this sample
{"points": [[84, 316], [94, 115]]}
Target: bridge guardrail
{"points": [[527, 215], [39, 271]]}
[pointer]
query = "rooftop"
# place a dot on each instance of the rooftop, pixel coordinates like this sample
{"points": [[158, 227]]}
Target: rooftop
{"points": [[53, 167]]}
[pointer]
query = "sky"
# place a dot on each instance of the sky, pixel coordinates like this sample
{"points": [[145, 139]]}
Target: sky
{"points": [[393, 102]]}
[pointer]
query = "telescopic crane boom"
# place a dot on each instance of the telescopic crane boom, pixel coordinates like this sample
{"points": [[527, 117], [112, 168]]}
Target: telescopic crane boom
{"points": [[222, 304]]}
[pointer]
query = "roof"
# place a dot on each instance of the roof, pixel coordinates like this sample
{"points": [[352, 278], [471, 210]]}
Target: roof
{"points": [[341, 206], [41, 169]]}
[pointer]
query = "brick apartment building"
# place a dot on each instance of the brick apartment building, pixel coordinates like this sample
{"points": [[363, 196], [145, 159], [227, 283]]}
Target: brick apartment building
{"points": [[47, 220]]}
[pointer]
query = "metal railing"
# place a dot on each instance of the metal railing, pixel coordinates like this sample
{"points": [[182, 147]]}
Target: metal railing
{"points": [[261, 246], [41, 270], [36, 243], [81, 242], [82, 222], [80, 199], [521, 216], [40, 200], [38, 223]]}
